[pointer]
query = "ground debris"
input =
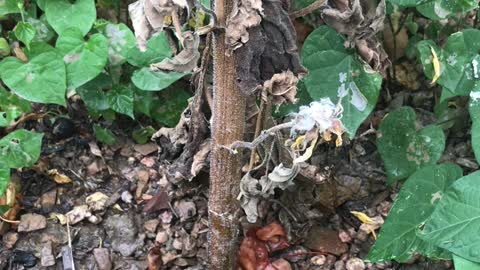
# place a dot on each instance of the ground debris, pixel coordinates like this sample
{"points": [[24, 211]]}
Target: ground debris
{"points": [[32, 222], [102, 258], [325, 240]]}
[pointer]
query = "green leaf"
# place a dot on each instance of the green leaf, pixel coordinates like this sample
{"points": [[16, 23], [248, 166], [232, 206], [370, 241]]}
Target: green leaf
{"points": [[4, 47], [37, 48], [464, 264], [414, 204], [143, 135], [120, 41], [474, 110], [404, 149], [459, 61], [104, 135], [144, 101], [93, 95], [43, 31], [303, 98], [4, 177], [438, 9], [20, 148], [84, 60], [64, 14], [455, 222], [40, 80], [170, 105], [120, 99], [337, 72], [9, 6], [25, 32], [11, 107], [158, 49], [147, 80]]}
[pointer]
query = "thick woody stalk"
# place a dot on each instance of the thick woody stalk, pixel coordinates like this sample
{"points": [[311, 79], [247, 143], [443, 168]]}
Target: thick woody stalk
{"points": [[227, 127]]}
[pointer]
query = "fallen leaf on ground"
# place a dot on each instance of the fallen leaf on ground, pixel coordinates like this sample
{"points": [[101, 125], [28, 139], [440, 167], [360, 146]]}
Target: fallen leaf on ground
{"points": [[58, 177]]}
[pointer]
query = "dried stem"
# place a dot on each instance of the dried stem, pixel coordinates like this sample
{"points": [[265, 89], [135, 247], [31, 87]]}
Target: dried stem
{"points": [[305, 11], [262, 137]]}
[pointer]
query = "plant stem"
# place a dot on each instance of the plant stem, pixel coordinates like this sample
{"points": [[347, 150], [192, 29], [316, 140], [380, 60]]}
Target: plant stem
{"points": [[227, 127]]}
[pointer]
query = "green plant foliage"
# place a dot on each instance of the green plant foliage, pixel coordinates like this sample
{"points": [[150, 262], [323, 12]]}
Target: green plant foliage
{"points": [[474, 109], [158, 49], [84, 59], [438, 9], [459, 61], [20, 148], [170, 105], [25, 32], [4, 177], [9, 6], [64, 14], [43, 31], [403, 148], [104, 135], [120, 41], [455, 222], [336, 72], [42, 79], [4, 48], [148, 80], [11, 107], [120, 99], [464, 264], [143, 135], [37, 48], [414, 204]]}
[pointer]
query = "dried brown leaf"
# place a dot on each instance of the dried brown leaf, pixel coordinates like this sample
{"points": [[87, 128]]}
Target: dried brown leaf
{"points": [[186, 60], [200, 159], [282, 87], [246, 14], [270, 231], [159, 202], [154, 258], [141, 26], [59, 177]]}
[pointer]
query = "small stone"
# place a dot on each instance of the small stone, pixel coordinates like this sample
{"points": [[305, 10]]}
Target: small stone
{"points": [[96, 201], [339, 265], [281, 264], [126, 197], [93, 168], [168, 257], [344, 236], [177, 244], [148, 161], [146, 149], [102, 258], [9, 239], [161, 237], [185, 209], [318, 260], [151, 225], [32, 222], [355, 264], [77, 214], [46, 254], [325, 240], [48, 200]]}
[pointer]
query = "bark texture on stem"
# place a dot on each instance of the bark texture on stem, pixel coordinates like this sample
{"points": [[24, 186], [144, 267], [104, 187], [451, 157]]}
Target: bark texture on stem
{"points": [[227, 127]]}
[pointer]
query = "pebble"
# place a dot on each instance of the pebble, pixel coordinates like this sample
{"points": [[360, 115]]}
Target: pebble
{"points": [[151, 225], [344, 236], [185, 209], [318, 260], [355, 264], [32, 222], [96, 201], [10, 239], [102, 258], [46, 255], [325, 240], [161, 237], [339, 265]]}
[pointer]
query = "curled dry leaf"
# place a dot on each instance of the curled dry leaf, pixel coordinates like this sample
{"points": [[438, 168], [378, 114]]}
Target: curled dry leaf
{"points": [[245, 14], [186, 60], [282, 87], [58, 177], [140, 24], [158, 202], [200, 159], [154, 258]]}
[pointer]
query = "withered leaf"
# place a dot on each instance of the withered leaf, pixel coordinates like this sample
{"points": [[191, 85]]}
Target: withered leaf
{"points": [[186, 60], [154, 258], [159, 202], [283, 87], [246, 14]]}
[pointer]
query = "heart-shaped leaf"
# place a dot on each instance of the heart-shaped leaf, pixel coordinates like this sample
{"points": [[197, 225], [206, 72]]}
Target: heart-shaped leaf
{"points": [[20, 148], [148, 80], [459, 61], [93, 95], [474, 110], [84, 59], [11, 107], [120, 41], [438, 9], [4, 177], [65, 14], [414, 204], [158, 49], [25, 32], [43, 31], [104, 135], [404, 149], [464, 264], [455, 222], [120, 99], [336, 72], [170, 105], [42, 79], [9, 6]]}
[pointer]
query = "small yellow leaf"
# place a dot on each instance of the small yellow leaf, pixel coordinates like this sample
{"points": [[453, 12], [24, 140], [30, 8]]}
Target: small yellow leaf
{"points": [[308, 153], [362, 217], [61, 218], [436, 65], [298, 141], [59, 177]]}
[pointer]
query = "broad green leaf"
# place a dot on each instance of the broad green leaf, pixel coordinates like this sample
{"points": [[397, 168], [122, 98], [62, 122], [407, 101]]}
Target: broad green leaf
{"points": [[20, 148], [41, 4], [438, 9], [170, 105], [120, 41], [93, 95], [147, 80], [459, 61], [303, 98], [403, 148], [104, 135], [299, 4], [43, 31], [144, 101], [158, 49], [11, 107], [4, 177], [455, 222], [414, 204], [4, 47], [42, 79], [143, 135], [336, 72], [84, 59], [37, 48], [120, 99], [474, 110], [65, 14], [464, 264], [25, 32], [9, 6]]}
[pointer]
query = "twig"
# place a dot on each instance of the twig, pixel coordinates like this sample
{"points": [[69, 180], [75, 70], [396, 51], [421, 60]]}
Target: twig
{"points": [[178, 28], [305, 11], [258, 128], [262, 137], [8, 220]]}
